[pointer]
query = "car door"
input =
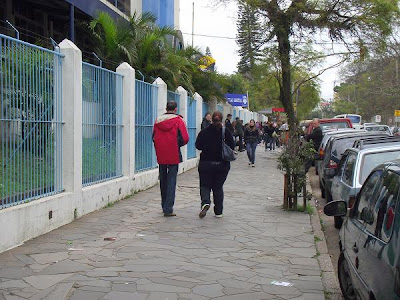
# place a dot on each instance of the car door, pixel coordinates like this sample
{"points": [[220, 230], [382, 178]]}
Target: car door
{"points": [[336, 186], [375, 252], [353, 228], [347, 181]]}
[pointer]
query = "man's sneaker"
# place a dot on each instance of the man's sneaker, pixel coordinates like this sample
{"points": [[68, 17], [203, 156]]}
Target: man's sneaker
{"points": [[170, 215], [253, 165], [203, 211], [218, 216]]}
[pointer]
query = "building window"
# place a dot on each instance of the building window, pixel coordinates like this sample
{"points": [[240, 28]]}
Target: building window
{"points": [[122, 5]]}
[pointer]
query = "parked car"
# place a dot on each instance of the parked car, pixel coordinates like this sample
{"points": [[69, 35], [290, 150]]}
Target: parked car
{"points": [[396, 131], [327, 124], [378, 128], [357, 163], [369, 261], [334, 150], [355, 119], [327, 136]]}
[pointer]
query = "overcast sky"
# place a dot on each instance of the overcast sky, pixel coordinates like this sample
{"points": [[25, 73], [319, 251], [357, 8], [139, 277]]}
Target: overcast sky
{"points": [[221, 21]]}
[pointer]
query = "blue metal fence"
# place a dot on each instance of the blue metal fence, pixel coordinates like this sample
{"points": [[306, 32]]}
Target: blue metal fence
{"points": [[220, 108], [172, 96], [146, 100], [30, 122], [191, 125], [205, 108], [101, 124]]}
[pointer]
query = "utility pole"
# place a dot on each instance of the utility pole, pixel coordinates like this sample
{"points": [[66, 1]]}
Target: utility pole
{"points": [[193, 25]]}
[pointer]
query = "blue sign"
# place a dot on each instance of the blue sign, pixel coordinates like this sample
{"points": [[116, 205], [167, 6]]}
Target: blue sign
{"points": [[237, 99]]}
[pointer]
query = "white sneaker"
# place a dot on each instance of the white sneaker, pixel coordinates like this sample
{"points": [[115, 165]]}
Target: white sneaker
{"points": [[218, 216], [253, 165]]}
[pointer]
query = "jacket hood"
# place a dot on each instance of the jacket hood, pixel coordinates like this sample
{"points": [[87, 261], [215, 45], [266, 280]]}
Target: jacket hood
{"points": [[166, 121]]}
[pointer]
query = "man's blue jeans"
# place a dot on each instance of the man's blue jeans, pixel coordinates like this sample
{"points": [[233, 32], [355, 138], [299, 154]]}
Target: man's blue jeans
{"points": [[251, 151], [168, 174]]}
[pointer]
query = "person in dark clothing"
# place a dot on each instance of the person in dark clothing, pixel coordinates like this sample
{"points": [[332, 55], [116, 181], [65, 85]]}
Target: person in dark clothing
{"points": [[206, 121], [239, 133], [213, 170], [228, 124], [316, 137], [270, 137], [251, 136]]}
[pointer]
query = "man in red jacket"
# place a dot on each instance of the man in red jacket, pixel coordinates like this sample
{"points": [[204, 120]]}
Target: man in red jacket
{"points": [[169, 134]]}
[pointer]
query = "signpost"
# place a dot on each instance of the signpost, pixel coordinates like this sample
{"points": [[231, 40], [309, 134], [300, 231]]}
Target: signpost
{"points": [[397, 116], [240, 100], [378, 118]]}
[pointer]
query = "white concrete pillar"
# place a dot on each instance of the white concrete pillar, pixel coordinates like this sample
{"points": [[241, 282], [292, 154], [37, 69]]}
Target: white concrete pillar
{"points": [[199, 116], [72, 116], [183, 111], [162, 96], [213, 105], [128, 119]]}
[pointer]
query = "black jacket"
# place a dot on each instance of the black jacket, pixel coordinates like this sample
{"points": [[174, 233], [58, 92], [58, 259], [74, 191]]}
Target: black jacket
{"points": [[209, 141], [315, 136], [228, 125], [269, 131], [239, 128], [251, 136]]}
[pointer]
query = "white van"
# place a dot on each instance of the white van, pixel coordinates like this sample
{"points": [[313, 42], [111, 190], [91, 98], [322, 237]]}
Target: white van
{"points": [[355, 119]]}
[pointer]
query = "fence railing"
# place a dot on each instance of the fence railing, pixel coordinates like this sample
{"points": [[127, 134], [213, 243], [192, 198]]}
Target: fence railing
{"points": [[191, 125], [205, 108], [101, 124], [146, 96], [30, 122], [172, 96]]}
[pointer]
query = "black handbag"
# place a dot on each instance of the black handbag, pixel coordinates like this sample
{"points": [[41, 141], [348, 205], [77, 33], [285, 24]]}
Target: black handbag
{"points": [[227, 152]]}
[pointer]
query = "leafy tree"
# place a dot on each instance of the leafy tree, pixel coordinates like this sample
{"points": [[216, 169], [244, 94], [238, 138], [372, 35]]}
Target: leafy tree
{"points": [[249, 37]]}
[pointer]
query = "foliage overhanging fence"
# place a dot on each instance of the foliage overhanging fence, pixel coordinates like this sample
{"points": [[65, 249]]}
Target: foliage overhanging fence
{"points": [[191, 125], [146, 101], [30, 122], [101, 124]]}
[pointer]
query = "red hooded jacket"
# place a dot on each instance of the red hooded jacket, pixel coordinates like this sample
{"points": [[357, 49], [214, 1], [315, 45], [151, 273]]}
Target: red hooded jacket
{"points": [[169, 134]]}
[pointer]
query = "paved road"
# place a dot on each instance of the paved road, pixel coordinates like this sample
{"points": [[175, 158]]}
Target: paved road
{"points": [[248, 254]]}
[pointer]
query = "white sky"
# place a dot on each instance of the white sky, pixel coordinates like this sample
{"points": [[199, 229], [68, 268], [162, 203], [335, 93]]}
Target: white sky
{"points": [[221, 21]]}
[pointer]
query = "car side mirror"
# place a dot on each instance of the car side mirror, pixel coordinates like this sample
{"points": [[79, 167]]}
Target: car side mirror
{"points": [[330, 173], [367, 216], [336, 209]]}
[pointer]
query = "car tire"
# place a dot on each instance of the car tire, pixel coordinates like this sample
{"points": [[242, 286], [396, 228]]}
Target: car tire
{"points": [[328, 195], [346, 285], [338, 222], [322, 189]]}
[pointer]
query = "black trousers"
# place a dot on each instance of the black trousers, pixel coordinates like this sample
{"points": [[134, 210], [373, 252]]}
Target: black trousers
{"points": [[212, 178]]}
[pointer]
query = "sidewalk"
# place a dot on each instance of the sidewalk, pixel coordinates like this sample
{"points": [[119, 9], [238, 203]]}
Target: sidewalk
{"points": [[248, 254]]}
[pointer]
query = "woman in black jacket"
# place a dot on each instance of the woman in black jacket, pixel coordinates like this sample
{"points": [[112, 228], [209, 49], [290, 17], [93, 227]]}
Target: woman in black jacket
{"points": [[213, 170], [251, 136], [206, 121]]}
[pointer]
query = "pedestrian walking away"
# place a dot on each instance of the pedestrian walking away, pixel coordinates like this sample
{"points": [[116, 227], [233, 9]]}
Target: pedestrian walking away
{"points": [[228, 124], [206, 121], [239, 132], [271, 137], [213, 170], [316, 137], [251, 136], [169, 134]]}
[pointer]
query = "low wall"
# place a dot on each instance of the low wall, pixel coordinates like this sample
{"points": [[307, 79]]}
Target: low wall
{"points": [[26, 221]]}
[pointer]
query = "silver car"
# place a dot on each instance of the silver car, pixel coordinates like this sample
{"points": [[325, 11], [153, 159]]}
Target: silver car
{"points": [[354, 168]]}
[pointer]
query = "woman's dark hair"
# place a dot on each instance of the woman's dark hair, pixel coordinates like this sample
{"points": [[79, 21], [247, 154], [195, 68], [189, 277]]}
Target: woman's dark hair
{"points": [[171, 105], [217, 119], [207, 113]]}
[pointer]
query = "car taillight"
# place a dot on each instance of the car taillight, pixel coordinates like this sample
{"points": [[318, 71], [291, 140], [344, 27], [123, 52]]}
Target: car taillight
{"points": [[321, 153], [352, 200], [332, 164]]}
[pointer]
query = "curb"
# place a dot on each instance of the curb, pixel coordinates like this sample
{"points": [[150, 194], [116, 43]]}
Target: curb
{"points": [[329, 278]]}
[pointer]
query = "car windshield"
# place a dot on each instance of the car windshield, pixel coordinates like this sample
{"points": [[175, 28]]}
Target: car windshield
{"points": [[372, 160], [354, 119], [339, 146], [333, 125], [378, 128]]}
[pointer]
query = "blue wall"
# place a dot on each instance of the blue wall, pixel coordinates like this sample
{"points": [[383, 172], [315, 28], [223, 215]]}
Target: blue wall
{"points": [[162, 9]]}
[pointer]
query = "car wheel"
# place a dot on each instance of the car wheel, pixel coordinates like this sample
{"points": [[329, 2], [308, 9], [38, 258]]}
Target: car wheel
{"points": [[322, 189], [338, 222], [345, 282], [328, 195]]}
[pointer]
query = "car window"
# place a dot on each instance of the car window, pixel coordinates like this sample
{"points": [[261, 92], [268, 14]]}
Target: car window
{"points": [[342, 163], [366, 194], [354, 118], [341, 145], [334, 125], [349, 168], [372, 160], [383, 209]]}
